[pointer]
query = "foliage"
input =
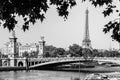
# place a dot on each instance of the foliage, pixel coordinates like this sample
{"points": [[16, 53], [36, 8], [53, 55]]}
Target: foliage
{"points": [[4, 56], [107, 53], [33, 54], [46, 54], [59, 52], [88, 54], [25, 54], [75, 50], [30, 10], [49, 51], [113, 25]]}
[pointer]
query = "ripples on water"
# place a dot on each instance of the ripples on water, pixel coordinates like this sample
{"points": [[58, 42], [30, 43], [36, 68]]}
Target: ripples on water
{"points": [[40, 75]]}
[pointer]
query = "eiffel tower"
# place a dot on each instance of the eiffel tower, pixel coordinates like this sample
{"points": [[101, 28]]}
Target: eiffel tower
{"points": [[86, 43]]}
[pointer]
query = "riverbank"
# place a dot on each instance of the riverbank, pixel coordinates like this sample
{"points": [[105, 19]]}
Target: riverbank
{"points": [[85, 70], [12, 68], [92, 70], [105, 67]]}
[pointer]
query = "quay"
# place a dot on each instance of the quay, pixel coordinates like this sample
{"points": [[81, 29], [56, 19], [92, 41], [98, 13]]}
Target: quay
{"points": [[12, 68], [92, 70]]}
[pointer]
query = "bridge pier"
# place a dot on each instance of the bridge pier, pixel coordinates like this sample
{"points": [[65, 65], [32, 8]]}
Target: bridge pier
{"points": [[27, 64]]}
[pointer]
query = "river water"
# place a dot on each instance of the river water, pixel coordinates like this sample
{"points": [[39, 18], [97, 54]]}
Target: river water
{"points": [[40, 75]]}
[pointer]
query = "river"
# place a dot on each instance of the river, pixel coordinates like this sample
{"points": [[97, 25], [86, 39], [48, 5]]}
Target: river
{"points": [[40, 75]]}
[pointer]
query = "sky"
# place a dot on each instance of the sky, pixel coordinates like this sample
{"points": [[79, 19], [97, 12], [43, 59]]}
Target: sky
{"points": [[60, 33]]}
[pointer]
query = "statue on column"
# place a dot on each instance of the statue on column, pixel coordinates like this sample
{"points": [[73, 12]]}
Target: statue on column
{"points": [[13, 33], [42, 38], [41, 47]]}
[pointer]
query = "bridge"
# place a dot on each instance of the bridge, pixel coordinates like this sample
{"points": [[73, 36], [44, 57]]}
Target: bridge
{"points": [[33, 63], [42, 62], [52, 62]]}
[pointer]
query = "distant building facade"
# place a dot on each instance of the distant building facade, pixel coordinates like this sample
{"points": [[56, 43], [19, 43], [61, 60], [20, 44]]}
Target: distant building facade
{"points": [[28, 48], [10, 48]]}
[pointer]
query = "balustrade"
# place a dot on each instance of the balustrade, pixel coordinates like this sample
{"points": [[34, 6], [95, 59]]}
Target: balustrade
{"points": [[43, 60]]}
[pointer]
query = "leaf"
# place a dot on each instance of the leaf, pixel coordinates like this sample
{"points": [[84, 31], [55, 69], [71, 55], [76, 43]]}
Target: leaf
{"points": [[33, 9], [25, 27], [117, 10]]}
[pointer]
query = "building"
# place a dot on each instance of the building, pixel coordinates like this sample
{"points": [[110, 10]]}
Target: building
{"points": [[13, 47], [28, 48]]}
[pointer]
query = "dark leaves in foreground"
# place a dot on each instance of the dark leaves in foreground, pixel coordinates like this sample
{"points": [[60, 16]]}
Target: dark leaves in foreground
{"points": [[115, 27], [30, 10]]}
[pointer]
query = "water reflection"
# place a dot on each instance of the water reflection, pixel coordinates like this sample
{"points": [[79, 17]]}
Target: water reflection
{"points": [[40, 75]]}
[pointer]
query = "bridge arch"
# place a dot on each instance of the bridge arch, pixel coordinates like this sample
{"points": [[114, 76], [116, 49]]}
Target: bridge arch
{"points": [[20, 64], [5, 63]]}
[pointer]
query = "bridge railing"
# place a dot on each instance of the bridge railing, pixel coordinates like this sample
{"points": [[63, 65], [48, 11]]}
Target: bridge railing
{"points": [[57, 59], [73, 58]]}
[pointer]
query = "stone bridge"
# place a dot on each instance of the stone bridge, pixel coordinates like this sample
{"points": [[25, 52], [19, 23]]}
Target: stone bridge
{"points": [[48, 62], [13, 62]]}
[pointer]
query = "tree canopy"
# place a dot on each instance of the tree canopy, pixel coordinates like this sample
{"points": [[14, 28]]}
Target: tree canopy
{"points": [[30, 10], [75, 50]]}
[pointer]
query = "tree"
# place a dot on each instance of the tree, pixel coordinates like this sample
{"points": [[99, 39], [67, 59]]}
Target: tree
{"points": [[25, 54], [75, 50], [30, 10], [49, 51], [59, 52], [111, 7], [33, 54], [46, 54], [95, 52], [88, 54]]}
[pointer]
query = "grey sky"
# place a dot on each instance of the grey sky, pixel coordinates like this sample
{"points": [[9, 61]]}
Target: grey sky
{"points": [[62, 33]]}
